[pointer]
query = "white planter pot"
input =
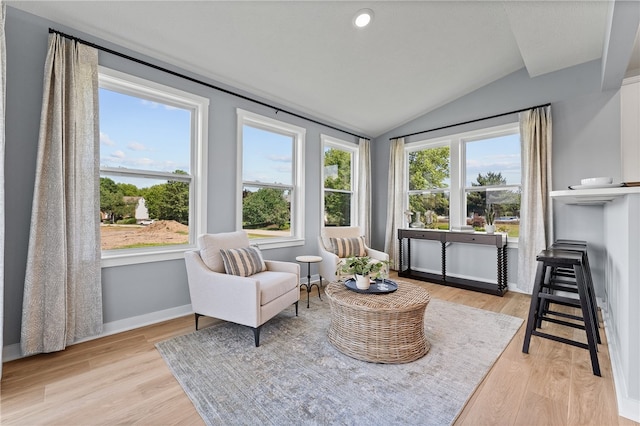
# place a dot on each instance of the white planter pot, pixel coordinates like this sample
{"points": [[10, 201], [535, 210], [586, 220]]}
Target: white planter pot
{"points": [[490, 229], [362, 282]]}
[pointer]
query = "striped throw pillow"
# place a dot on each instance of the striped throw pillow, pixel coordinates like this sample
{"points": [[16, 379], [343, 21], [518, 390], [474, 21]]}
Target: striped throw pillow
{"points": [[243, 261], [348, 247]]}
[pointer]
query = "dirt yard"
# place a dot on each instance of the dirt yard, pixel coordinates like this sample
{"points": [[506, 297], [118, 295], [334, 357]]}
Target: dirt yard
{"points": [[131, 236]]}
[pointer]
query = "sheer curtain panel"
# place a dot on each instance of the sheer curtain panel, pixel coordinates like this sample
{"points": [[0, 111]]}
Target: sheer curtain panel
{"points": [[3, 75], [62, 292], [536, 226], [395, 193], [364, 188]]}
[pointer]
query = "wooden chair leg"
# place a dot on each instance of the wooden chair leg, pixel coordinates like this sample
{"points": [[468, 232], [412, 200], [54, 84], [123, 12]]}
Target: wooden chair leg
{"points": [[589, 326], [533, 308]]}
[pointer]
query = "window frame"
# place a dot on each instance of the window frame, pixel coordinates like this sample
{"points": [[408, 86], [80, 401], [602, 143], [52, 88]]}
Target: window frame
{"points": [[298, 135], [353, 149], [199, 106], [457, 168]]}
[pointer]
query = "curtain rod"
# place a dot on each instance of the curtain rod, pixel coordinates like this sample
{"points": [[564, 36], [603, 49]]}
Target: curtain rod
{"points": [[470, 121], [194, 80]]}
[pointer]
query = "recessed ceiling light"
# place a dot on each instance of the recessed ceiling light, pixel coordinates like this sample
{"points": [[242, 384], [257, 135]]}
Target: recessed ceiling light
{"points": [[363, 18]]}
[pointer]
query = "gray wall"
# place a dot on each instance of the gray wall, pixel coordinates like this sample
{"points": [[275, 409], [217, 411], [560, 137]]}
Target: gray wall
{"points": [[134, 290], [586, 142]]}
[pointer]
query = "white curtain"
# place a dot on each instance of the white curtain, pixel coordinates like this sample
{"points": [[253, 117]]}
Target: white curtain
{"points": [[536, 227], [3, 68], [364, 188], [396, 194], [62, 292]]}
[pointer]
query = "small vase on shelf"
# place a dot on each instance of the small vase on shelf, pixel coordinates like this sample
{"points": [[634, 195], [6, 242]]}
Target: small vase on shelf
{"points": [[417, 223], [490, 229]]}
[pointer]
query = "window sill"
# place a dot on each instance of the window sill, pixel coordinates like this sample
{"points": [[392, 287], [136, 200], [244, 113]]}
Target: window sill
{"points": [[263, 244], [113, 258]]}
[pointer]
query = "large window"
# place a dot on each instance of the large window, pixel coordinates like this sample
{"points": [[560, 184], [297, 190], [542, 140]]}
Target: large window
{"points": [[152, 167], [339, 182], [452, 181], [270, 166]]}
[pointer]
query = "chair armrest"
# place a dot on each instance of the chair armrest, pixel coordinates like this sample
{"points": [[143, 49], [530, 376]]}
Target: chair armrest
{"points": [[376, 254], [279, 266], [327, 268], [228, 297]]}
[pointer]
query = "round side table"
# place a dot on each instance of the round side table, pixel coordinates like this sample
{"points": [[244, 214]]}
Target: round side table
{"points": [[309, 260]]}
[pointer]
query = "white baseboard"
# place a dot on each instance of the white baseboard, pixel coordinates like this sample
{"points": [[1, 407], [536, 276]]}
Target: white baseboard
{"points": [[627, 407], [13, 352]]}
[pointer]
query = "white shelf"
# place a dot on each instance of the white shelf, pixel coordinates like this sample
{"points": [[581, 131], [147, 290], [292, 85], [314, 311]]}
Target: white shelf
{"points": [[597, 196]]}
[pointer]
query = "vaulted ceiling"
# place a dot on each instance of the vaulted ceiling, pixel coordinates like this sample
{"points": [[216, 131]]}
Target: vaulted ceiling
{"points": [[414, 57]]}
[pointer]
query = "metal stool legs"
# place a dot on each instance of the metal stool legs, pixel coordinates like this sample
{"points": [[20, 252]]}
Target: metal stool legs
{"points": [[309, 284]]}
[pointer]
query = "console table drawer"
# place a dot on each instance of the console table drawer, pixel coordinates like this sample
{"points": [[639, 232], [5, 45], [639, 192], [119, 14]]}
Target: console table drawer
{"points": [[492, 239]]}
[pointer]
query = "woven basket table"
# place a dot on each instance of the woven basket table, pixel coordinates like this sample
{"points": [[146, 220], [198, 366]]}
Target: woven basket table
{"points": [[383, 328]]}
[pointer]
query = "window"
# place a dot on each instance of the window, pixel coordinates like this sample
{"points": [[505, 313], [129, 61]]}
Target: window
{"points": [[270, 199], [451, 181], [339, 182], [152, 169], [429, 185]]}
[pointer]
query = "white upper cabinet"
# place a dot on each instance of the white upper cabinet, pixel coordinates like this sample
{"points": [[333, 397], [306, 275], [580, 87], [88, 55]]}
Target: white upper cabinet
{"points": [[630, 129]]}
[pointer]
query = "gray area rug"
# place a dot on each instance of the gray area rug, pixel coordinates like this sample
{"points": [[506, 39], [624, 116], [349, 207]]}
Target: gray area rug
{"points": [[297, 377]]}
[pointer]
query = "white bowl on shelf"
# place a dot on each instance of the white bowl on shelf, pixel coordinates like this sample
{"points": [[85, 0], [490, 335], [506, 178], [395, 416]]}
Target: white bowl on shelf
{"points": [[597, 181]]}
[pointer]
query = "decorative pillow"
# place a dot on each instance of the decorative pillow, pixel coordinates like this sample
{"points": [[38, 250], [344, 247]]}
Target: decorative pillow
{"points": [[243, 261], [347, 247], [210, 245]]}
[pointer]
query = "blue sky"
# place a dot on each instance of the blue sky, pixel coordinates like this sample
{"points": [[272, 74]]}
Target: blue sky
{"points": [[266, 156], [140, 134], [498, 155]]}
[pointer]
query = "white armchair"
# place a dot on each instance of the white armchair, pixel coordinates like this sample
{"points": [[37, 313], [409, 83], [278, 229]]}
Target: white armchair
{"points": [[247, 300], [329, 267]]}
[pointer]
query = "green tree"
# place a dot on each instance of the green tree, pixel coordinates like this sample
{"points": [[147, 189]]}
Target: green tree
{"points": [[153, 197], [265, 207], [428, 169], [477, 201], [175, 205], [111, 200], [337, 205], [128, 189]]}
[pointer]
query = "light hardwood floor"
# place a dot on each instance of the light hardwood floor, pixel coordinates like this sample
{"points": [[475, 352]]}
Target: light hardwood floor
{"points": [[122, 379]]}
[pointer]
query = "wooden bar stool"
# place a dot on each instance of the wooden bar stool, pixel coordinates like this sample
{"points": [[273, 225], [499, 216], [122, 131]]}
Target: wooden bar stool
{"points": [[567, 278], [543, 293]]}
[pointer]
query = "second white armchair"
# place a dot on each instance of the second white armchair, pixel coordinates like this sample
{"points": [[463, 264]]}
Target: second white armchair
{"points": [[337, 243]]}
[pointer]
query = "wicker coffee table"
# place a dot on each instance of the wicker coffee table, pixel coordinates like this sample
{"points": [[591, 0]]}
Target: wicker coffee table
{"points": [[382, 328]]}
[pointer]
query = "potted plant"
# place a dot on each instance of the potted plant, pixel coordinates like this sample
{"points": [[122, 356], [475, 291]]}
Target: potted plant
{"points": [[362, 268], [490, 215]]}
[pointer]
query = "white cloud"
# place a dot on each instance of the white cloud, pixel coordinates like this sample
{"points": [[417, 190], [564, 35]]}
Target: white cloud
{"points": [[150, 104], [106, 140], [136, 146], [144, 161], [280, 158], [118, 154], [283, 169], [154, 105]]}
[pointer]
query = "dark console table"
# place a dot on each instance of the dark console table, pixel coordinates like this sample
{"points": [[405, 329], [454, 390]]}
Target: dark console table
{"points": [[497, 240]]}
